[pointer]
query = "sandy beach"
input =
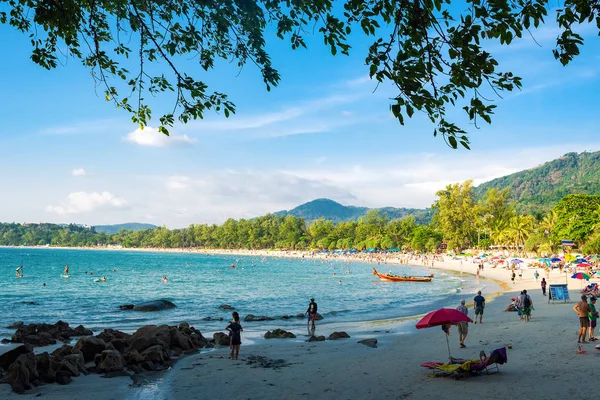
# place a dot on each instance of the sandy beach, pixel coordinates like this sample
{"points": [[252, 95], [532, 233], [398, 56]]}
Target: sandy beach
{"points": [[540, 364]]}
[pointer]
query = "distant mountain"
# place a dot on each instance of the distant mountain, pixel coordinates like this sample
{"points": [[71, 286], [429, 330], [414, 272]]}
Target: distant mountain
{"points": [[130, 226], [539, 188], [334, 211]]}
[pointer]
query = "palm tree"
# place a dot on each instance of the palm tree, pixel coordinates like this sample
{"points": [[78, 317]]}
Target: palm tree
{"points": [[519, 228]]}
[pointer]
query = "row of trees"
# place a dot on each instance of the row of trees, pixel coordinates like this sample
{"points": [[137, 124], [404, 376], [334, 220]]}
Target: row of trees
{"points": [[459, 222], [493, 220]]}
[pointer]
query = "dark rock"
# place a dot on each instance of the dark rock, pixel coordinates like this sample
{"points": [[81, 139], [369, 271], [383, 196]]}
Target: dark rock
{"points": [[252, 318], [180, 340], [212, 319], [148, 366], [285, 317], [68, 366], [15, 325], [90, 366], [11, 356], [150, 335], [119, 344], [184, 325], [77, 361], [133, 357], [319, 317], [82, 331], [43, 365], [155, 354], [369, 342], [108, 335], [338, 335], [136, 369], [111, 360], [300, 316], [221, 339], [5, 341], [89, 346], [46, 334], [314, 338], [63, 378], [22, 373], [64, 350], [279, 334], [226, 307], [126, 306], [155, 305]]}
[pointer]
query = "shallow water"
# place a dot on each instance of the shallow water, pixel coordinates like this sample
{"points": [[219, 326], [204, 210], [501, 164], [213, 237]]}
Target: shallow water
{"points": [[200, 283]]}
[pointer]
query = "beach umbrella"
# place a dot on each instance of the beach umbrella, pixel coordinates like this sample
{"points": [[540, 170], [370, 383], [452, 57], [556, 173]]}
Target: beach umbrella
{"points": [[443, 317], [500, 261], [570, 257], [581, 275], [579, 261], [584, 264], [516, 261], [555, 259]]}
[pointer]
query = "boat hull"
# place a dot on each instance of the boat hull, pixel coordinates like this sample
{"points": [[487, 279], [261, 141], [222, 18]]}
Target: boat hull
{"points": [[396, 278]]}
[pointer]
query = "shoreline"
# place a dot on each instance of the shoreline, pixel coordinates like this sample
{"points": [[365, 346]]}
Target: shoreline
{"points": [[396, 336]]}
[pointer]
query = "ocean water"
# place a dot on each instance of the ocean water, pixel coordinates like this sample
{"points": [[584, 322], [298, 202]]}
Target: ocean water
{"points": [[199, 283]]}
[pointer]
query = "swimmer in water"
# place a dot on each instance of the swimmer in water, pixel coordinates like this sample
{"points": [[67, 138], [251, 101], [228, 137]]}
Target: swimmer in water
{"points": [[44, 284], [66, 269], [19, 271], [164, 279], [103, 279]]}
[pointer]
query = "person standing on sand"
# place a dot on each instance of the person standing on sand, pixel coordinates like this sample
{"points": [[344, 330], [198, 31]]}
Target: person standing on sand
{"points": [[593, 316], [312, 313], [582, 309], [512, 277], [479, 305], [527, 305], [463, 327], [235, 335], [544, 286]]}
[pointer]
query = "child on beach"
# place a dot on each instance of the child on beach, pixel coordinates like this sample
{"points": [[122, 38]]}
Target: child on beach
{"points": [[593, 316], [235, 335]]}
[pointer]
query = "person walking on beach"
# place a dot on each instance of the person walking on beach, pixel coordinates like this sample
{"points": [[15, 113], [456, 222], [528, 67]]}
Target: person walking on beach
{"points": [[544, 286], [527, 305], [463, 327], [312, 313], [593, 315], [582, 309], [479, 304], [512, 277], [235, 335]]}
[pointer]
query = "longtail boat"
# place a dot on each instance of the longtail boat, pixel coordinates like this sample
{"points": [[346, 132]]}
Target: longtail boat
{"points": [[397, 278]]}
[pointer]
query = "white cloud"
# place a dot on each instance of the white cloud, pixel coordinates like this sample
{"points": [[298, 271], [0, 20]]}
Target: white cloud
{"points": [[78, 172], [82, 202], [151, 137], [177, 182]]}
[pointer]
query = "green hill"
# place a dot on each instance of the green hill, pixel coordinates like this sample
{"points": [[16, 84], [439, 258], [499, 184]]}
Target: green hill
{"points": [[539, 188], [331, 210], [130, 226]]}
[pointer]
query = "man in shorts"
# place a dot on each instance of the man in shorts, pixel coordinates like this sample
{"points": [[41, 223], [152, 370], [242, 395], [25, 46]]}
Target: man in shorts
{"points": [[582, 309], [479, 304], [463, 327]]}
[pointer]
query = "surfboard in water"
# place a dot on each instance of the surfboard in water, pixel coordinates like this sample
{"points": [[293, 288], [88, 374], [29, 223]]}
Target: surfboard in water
{"points": [[65, 276]]}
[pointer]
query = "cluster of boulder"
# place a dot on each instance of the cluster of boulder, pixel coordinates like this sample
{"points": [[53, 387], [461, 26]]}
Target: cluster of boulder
{"points": [[112, 353]]}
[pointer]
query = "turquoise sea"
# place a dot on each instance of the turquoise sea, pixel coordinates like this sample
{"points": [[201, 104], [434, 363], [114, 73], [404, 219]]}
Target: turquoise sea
{"points": [[198, 284]]}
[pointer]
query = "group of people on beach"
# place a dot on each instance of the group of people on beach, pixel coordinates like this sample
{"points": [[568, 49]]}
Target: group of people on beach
{"points": [[588, 317], [235, 328], [463, 327]]}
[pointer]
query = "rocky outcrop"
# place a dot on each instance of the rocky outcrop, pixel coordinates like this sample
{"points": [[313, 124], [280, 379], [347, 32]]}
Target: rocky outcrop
{"points": [[279, 334], [112, 353], [156, 305], [11, 356], [314, 338], [253, 318], [369, 342], [338, 335], [15, 325], [221, 339], [22, 374], [226, 307], [89, 346], [47, 334], [126, 306], [110, 361]]}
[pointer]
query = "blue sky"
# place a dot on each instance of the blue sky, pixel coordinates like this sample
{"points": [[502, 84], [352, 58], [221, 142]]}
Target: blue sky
{"points": [[66, 155]]}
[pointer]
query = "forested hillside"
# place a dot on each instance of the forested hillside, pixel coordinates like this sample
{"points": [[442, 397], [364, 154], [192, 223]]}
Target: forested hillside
{"points": [[539, 189]]}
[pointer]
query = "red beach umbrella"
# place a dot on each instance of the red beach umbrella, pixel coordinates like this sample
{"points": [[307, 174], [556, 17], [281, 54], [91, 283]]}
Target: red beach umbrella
{"points": [[443, 317]]}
